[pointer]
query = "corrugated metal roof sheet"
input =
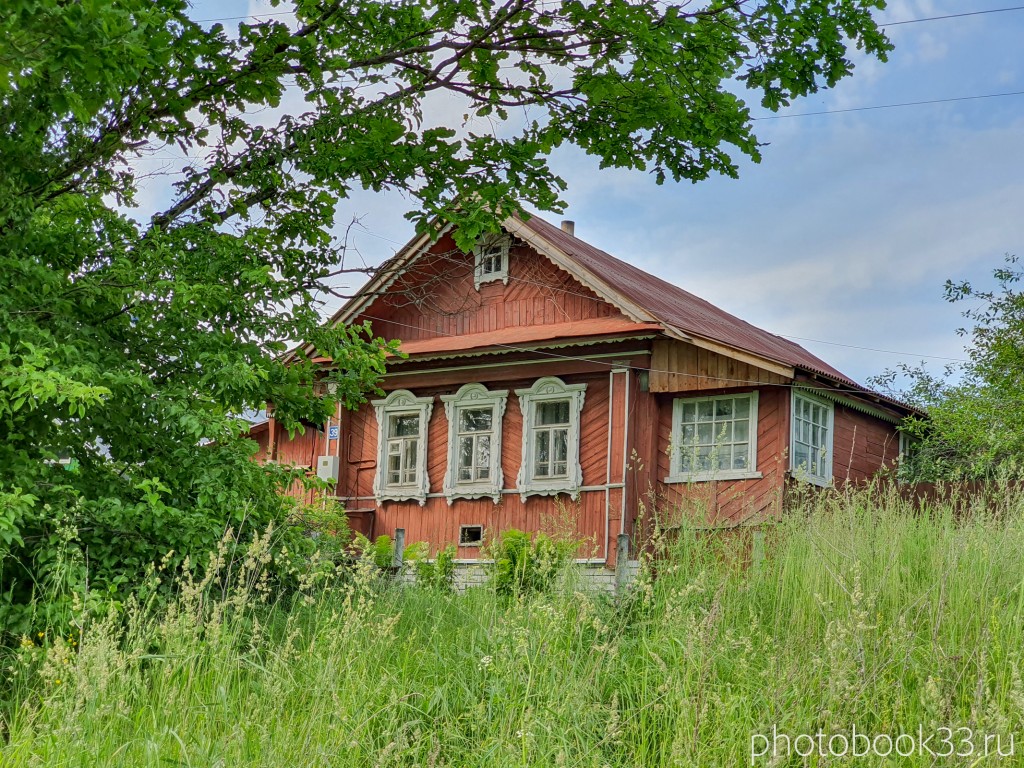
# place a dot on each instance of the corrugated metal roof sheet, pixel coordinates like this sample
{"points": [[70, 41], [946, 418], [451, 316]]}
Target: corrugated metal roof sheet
{"points": [[681, 309], [516, 335]]}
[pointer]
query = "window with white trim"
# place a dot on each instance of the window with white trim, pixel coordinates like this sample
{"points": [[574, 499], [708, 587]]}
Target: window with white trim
{"points": [[490, 260], [714, 438], [474, 442], [909, 457], [811, 439], [402, 421], [551, 438]]}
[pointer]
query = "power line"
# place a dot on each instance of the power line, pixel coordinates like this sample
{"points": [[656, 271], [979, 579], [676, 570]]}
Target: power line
{"points": [[891, 106], [884, 24], [247, 16], [874, 349], [783, 335], [952, 16], [641, 369]]}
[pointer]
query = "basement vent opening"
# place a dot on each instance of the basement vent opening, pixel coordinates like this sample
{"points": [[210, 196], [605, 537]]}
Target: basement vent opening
{"points": [[471, 535]]}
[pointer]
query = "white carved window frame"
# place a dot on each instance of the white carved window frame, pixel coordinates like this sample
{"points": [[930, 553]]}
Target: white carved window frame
{"points": [[485, 248], [401, 402], [550, 389], [474, 396]]}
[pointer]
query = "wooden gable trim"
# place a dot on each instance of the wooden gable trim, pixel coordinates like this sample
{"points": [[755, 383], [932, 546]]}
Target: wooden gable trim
{"points": [[384, 279], [418, 247], [688, 366], [562, 260], [631, 310]]}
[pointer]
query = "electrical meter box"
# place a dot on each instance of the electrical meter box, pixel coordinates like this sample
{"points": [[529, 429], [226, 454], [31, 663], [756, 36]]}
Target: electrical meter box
{"points": [[327, 468]]}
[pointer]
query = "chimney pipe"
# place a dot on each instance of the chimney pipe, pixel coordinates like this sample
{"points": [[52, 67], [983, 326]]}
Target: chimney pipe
{"points": [[569, 227]]}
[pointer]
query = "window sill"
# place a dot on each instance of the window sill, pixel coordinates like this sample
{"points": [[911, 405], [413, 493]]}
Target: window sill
{"points": [[396, 494], [705, 477], [803, 477], [536, 489], [492, 277], [477, 492]]}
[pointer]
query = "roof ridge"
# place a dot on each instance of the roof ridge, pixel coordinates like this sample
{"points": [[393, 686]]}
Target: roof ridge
{"points": [[681, 308]]}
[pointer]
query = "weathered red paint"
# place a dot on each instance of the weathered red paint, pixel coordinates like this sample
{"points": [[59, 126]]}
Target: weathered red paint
{"points": [[546, 322]]}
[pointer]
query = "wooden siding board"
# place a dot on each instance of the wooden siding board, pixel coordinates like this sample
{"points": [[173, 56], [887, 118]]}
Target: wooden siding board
{"points": [[681, 367]]}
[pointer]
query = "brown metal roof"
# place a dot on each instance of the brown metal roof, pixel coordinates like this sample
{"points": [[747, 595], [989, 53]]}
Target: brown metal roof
{"points": [[595, 327], [681, 309]]}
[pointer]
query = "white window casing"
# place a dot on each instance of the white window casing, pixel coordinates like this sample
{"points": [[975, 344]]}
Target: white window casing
{"points": [[714, 438], [551, 438], [811, 438], [474, 443], [490, 260], [402, 428]]}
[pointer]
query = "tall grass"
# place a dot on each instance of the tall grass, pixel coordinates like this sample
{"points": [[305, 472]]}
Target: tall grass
{"points": [[862, 613]]}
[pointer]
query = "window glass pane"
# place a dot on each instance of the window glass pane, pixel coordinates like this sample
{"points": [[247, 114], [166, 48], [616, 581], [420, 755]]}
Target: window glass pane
{"points": [[703, 458], [741, 431], [541, 455], [410, 454], [483, 451], [405, 425], [740, 458], [705, 434], [742, 407], [705, 411], [560, 452], [689, 412], [689, 434], [475, 420], [553, 412], [723, 432], [466, 452], [686, 460], [725, 457], [801, 455], [723, 409]]}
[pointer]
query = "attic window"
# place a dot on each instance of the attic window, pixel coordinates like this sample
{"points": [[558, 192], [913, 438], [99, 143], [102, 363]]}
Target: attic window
{"points": [[471, 535], [490, 260]]}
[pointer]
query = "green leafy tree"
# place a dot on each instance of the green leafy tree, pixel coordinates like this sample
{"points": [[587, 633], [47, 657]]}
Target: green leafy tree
{"points": [[975, 423], [131, 338]]}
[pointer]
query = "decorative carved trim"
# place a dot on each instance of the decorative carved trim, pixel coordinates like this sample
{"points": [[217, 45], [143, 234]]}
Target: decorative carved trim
{"points": [[478, 396], [402, 401], [546, 389], [486, 243]]}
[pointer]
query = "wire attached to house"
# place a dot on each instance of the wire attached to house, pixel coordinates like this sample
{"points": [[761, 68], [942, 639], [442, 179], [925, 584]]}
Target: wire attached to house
{"points": [[891, 106], [641, 369], [567, 291]]}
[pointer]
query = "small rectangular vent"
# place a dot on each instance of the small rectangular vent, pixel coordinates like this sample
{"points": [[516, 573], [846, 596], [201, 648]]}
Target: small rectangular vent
{"points": [[471, 535]]}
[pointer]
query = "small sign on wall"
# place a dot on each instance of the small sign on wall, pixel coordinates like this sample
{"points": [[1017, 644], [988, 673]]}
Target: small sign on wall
{"points": [[332, 432]]}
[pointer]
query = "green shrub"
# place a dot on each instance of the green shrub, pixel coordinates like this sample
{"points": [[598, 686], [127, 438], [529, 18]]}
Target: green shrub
{"points": [[381, 550], [524, 567], [438, 573]]}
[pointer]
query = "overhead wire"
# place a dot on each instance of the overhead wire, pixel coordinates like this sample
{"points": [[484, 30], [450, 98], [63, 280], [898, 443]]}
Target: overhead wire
{"points": [[642, 369], [514, 278]]}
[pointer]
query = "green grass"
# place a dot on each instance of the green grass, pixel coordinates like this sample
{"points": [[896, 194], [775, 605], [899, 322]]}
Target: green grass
{"points": [[860, 614]]}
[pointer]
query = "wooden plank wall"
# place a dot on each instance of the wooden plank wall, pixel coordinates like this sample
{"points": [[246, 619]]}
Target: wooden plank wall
{"points": [[681, 367], [438, 297], [862, 445], [438, 521]]}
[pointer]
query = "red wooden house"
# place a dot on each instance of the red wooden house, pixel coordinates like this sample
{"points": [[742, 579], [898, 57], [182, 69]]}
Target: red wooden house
{"points": [[546, 378]]}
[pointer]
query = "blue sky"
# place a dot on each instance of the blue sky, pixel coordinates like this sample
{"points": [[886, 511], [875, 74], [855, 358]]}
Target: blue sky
{"points": [[849, 227]]}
